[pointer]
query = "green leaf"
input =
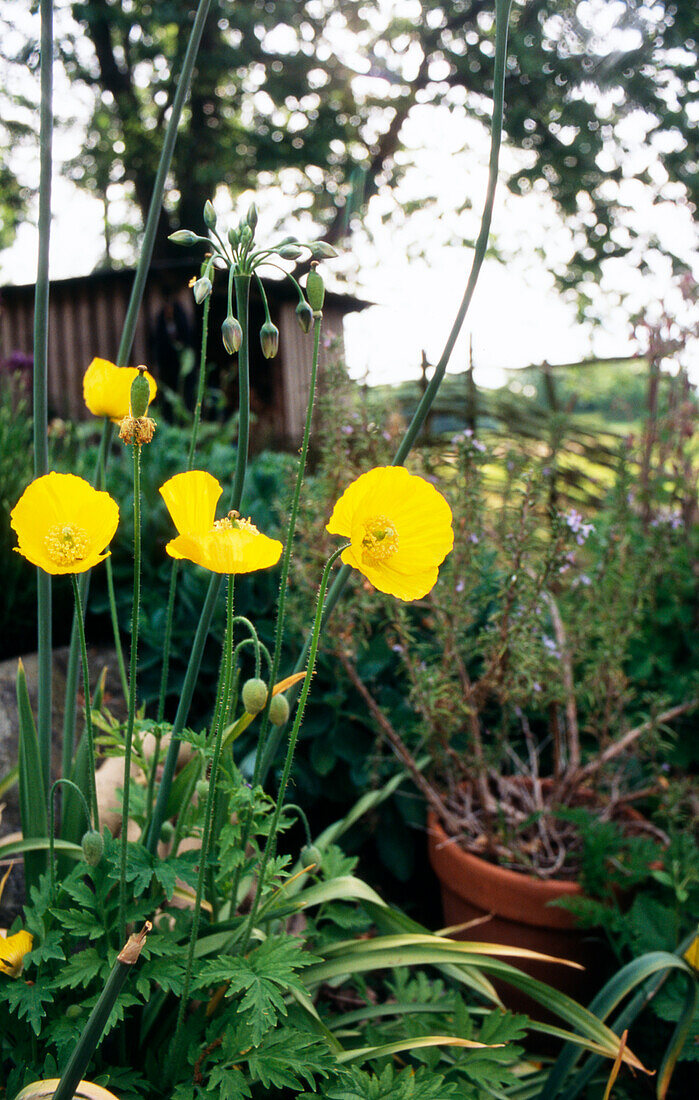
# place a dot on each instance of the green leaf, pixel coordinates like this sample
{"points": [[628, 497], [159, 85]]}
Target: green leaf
{"points": [[81, 969], [27, 1000], [49, 948]]}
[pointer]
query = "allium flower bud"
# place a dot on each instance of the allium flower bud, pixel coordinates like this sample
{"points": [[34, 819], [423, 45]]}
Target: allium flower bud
{"points": [[202, 289], [234, 236], [322, 250], [304, 314], [232, 334], [254, 695], [140, 394], [184, 237], [279, 710], [93, 847], [209, 214], [269, 339], [246, 235], [251, 217], [315, 290], [289, 251]]}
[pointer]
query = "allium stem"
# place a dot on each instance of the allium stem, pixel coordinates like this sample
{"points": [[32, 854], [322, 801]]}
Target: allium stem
{"points": [[88, 701], [133, 666], [41, 322]]}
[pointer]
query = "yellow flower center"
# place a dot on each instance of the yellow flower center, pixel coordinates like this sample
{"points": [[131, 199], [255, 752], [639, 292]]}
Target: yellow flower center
{"points": [[380, 540], [65, 543], [234, 522]]}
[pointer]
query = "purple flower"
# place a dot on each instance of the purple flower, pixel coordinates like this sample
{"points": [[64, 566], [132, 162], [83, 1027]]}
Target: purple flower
{"points": [[460, 585], [347, 429], [474, 538]]}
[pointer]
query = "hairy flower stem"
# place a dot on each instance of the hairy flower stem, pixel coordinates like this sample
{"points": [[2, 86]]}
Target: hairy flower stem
{"points": [[174, 571], [115, 627], [502, 15], [40, 394], [298, 718], [133, 665], [242, 287], [219, 726], [88, 708]]}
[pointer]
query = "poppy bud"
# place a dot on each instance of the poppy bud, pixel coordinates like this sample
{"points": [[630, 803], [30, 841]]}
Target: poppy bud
{"points": [[201, 289], [279, 710], [184, 237], [304, 314], [202, 789], [315, 290], [140, 394], [209, 214], [269, 339], [93, 847], [167, 831], [254, 695], [232, 334], [311, 856]]}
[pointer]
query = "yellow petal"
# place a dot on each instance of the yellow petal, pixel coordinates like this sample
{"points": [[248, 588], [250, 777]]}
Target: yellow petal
{"points": [[107, 388], [191, 500], [64, 500], [12, 952], [227, 550]]}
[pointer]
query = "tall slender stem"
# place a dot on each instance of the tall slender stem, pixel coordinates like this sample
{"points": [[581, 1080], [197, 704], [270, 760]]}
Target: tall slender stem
{"points": [[88, 701], [306, 687], [242, 287], [208, 821], [502, 15], [133, 665], [127, 336], [174, 570], [115, 627], [41, 325]]}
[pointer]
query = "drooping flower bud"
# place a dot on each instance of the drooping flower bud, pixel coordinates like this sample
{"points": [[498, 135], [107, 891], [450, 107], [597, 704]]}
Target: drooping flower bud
{"points": [[279, 710], [311, 856], [209, 214], [315, 290], [140, 394], [232, 334], [254, 695], [184, 237], [202, 289], [304, 314], [93, 847], [167, 831], [202, 789], [269, 339]]}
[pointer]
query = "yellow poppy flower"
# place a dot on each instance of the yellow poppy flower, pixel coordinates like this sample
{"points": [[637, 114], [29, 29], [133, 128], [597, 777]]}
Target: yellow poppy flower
{"points": [[229, 545], [399, 527], [12, 952], [107, 389], [63, 525]]}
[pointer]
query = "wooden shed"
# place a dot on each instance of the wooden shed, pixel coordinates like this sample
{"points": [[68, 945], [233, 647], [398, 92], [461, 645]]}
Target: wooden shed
{"points": [[86, 315]]}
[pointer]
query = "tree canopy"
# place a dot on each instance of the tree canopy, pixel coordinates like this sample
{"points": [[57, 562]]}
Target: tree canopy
{"points": [[322, 88]]}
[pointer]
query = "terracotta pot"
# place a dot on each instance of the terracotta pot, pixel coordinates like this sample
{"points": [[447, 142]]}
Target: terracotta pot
{"points": [[520, 914]]}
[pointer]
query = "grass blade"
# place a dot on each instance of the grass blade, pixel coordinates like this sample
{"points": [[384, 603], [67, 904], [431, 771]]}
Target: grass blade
{"points": [[32, 800]]}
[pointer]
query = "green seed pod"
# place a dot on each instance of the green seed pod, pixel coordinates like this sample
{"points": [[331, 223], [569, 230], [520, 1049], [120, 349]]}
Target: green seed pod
{"points": [[315, 290], [93, 847], [209, 214], [269, 339], [254, 695], [279, 710], [202, 289], [232, 334], [202, 789], [304, 314], [184, 237], [167, 831], [140, 394], [311, 855]]}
